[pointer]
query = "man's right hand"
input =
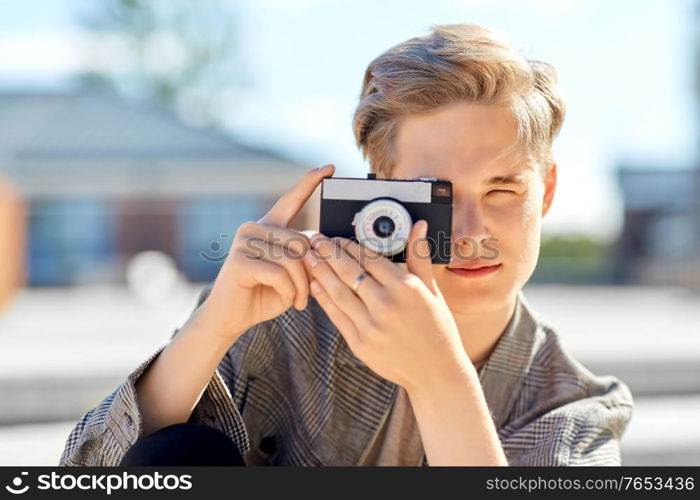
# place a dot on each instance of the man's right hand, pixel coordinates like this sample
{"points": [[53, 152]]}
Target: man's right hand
{"points": [[264, 272]]}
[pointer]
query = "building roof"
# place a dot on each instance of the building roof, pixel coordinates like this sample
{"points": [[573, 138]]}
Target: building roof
{"points": [[97, 123], [659, 189], [94, 143]]}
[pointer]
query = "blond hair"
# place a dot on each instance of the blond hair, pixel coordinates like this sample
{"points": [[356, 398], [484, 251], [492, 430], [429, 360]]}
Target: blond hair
{"points": [[456, 62]]}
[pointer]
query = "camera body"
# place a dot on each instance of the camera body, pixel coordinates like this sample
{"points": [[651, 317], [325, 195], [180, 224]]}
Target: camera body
{"points": [[379, 213]]}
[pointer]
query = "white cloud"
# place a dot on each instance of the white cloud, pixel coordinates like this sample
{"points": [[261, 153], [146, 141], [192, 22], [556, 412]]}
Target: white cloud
{"points": [[295, 4], [41, 54]]}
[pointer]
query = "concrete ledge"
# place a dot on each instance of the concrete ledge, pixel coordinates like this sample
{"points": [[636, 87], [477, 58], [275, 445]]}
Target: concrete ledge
{"points": [[37, 400], [662, 458], [66, 397], [652, 378]]}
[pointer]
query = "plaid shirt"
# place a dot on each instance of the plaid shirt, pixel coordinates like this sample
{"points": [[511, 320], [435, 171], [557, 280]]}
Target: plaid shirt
{"points": [[290, 392]]}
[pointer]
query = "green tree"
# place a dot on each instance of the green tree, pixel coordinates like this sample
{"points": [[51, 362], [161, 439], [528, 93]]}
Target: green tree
{"points": [[574, 259], [176, 53]]}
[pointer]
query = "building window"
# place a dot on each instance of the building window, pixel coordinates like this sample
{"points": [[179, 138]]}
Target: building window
{"points": [[671, 236], [71, 242], [207, 227]]}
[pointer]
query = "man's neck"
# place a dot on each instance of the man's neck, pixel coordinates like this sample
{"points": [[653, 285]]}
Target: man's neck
{"points": [[480, 332]]}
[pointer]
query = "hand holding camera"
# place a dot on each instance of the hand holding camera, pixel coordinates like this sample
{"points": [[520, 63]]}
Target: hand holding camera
{"points": [[393, 319], [264, 273]]}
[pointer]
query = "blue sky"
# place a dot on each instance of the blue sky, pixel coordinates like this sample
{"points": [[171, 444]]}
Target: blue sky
{"points": [[625, 68]]}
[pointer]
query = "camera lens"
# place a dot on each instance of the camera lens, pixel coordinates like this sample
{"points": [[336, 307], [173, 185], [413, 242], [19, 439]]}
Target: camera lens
{"points": [[383, 226]]}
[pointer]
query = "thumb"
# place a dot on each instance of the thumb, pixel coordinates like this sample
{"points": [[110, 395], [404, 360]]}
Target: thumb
{"points": [[418, 260]]}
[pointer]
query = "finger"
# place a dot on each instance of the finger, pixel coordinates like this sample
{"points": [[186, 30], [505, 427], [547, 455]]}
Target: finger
{"points": [[261, 272], [250, 236], [291, 262], [341, 320], [382, 269], [289, 204], [418, 259], [347, 269], [340, 293]]}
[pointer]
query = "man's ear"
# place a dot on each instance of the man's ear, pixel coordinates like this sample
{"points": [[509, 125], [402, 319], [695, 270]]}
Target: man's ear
{"points": [[550, 185]]}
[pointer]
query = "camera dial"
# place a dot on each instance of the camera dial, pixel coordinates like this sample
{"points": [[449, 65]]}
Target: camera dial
{"points": [[383, 225]]}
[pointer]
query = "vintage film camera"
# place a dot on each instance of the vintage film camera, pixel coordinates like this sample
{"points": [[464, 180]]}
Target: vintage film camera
{"points": [[379, 213]]}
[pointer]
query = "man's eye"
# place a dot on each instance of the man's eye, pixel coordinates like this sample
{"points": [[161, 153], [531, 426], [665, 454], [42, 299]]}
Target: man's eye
{"points": [[501, 191]]}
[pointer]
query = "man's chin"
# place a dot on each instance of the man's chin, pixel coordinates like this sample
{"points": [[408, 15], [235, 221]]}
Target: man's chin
{"points": [[473, 297]]}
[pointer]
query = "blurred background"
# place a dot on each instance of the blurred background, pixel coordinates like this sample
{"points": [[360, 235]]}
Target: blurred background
{"points": [[135, 136]]}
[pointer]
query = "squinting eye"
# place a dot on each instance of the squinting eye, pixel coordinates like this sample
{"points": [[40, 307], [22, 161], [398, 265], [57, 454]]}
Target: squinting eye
{"points": [[501, 191]]}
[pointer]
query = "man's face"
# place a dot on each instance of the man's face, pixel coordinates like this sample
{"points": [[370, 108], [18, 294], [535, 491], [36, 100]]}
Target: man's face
{"points": [[495, 221]]}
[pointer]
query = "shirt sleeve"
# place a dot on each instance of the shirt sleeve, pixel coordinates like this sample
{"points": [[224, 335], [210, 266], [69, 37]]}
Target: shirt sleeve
{"points": [[586, 432], [104, 434]]}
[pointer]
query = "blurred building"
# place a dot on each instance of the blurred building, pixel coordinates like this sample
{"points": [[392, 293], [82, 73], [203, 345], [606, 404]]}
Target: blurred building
{"points": [[12, 242], [660, 240], [105, 179]]}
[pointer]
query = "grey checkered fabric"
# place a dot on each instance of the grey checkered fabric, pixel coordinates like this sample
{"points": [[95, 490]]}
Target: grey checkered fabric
{"points": [[290, 392]]}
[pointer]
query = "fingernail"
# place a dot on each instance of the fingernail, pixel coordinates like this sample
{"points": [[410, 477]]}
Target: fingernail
{"points": [[312, 260], [315, 287], [316, 239]]}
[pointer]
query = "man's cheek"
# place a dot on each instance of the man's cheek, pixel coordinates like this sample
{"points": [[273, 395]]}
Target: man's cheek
{"points": [[530, 211], [491, 250], [516, 233]]}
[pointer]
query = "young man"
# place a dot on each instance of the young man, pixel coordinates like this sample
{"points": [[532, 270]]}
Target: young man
{"points": [[385, 364]]}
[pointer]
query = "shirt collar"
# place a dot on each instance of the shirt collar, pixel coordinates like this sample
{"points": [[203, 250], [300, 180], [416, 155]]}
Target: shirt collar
{"points": [[510, 361]]}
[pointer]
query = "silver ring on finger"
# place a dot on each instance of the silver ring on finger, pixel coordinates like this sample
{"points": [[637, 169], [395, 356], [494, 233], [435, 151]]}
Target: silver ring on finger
{"points": [[358, 280]]}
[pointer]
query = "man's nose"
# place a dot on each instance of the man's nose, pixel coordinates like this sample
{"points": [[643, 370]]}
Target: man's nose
{"points": [[469, 232]]}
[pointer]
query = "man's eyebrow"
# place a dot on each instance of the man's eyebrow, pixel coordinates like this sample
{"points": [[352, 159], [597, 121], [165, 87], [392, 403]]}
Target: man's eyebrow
{"points": [[518, 178]]}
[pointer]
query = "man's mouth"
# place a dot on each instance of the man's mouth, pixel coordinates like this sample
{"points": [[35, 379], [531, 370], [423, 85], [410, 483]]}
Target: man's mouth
{"points": [[474, 269]]}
